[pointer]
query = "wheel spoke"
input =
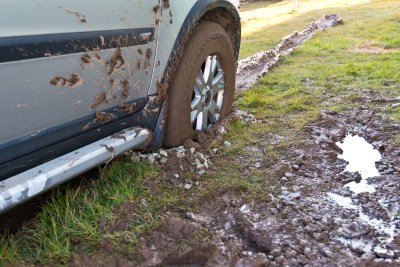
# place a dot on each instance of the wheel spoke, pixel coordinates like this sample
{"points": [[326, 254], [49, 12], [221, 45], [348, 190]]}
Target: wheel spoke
{"points": [[209, 69], [200, 83], [213, 112], [202, 120], [194, 115], [196, 103], [219, 80], [220, 98]]}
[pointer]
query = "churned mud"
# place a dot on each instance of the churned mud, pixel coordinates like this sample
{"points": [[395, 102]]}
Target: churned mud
{"points": [[321, 212]]}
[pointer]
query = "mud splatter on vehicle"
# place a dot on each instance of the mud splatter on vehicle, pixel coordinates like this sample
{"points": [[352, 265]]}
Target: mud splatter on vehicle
{"points": [[116, 61], [125, 88], [73, 82], [99, 100]]}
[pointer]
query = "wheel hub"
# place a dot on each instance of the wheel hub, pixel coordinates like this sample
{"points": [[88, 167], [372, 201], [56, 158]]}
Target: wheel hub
{"points": [[208, 94]]}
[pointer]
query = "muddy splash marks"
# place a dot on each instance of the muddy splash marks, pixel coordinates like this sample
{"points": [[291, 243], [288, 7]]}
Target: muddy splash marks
{"points": [[99, 99], [125, 88], [116, 61], [73, 82]]}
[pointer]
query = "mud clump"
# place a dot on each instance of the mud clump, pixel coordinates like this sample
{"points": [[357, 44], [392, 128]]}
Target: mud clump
{"points": [[116, 61], [104, 117], [128, 108], [166, 3], [156, 8], [149, 52], [73, 82], [99, 100], [86, 58], [125, 89]]}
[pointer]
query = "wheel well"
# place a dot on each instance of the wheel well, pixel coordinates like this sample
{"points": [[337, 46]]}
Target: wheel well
{"points": [[229, 21]]}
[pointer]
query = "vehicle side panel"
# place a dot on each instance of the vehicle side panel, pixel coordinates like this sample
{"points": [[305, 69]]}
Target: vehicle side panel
{"points": [[43, 91]]}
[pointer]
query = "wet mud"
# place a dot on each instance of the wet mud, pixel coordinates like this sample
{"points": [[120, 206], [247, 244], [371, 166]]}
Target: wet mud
{"points": [[314, 219], [311, 217]]}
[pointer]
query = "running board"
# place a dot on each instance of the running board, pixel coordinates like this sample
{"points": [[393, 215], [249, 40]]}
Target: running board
{"points": [[23, 186]]}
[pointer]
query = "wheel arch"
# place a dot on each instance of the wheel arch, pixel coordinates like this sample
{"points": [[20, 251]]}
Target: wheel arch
{"points": [[219, 11], [229, 19]]}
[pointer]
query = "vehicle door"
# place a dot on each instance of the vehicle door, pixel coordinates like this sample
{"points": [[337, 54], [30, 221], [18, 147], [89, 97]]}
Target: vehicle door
{"points": [[66, 66]]}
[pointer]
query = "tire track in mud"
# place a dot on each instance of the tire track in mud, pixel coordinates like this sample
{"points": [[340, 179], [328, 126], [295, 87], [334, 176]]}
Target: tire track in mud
{"points": [[252, 68]]}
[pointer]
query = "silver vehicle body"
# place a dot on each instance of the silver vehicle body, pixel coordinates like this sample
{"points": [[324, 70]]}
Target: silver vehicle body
{"points": [[75, 72]]}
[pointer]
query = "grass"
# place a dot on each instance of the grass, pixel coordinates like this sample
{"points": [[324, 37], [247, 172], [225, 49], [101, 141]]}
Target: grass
{"points": [[72, 218], [330, 71]]}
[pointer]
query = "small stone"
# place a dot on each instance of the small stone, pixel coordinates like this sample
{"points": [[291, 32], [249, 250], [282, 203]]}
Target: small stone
{"points": [[176, 176], [187, 186], [397, 169], [257, 165], [202, 172], [215, 150], [163, 160], [308, 219], [164, 153], [143, 202], [135, 158], [152, 160], [192, 150], [384, 253], [289, 175], [280, 260], [382, 167], [180, 154], [302, 259], [206, 164], [227, 144], [200, 166], [295, 167]]}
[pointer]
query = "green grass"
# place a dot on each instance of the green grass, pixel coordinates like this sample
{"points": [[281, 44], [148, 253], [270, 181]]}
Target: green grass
{"points": [[71, 220], [330, 71]]}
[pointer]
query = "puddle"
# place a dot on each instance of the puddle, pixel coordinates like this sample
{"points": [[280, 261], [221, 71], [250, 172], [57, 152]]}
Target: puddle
{"points": [[388, 228], [361, 157]]}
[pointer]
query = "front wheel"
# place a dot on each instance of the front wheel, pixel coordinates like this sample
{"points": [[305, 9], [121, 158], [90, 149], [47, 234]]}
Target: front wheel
{"points": [[202, 89]]}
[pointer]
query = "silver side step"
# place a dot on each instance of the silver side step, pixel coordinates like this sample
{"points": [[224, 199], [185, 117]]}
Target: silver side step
{"points": [[26, 185]]}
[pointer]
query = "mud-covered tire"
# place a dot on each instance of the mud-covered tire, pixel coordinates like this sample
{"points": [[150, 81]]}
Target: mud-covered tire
{"points": [[208, 51]]}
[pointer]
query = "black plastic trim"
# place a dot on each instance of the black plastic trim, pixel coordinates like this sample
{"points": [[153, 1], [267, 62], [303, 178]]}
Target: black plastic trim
{"points": [[38, 46]]}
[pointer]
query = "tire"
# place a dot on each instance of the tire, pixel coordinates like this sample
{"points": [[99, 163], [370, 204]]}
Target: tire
{"points": [[195, 102]]}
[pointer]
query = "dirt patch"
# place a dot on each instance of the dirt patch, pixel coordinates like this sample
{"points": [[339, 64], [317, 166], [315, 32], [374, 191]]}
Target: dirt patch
{"points": [[252, 68], [373, 49]]}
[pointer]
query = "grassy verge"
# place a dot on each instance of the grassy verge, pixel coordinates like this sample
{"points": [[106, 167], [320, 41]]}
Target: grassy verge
{"points": [[80, 218], [332, 70]]}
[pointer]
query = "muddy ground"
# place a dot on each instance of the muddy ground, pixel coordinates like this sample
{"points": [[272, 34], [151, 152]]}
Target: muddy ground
{"points": [[321, 212], [315, 219]]}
